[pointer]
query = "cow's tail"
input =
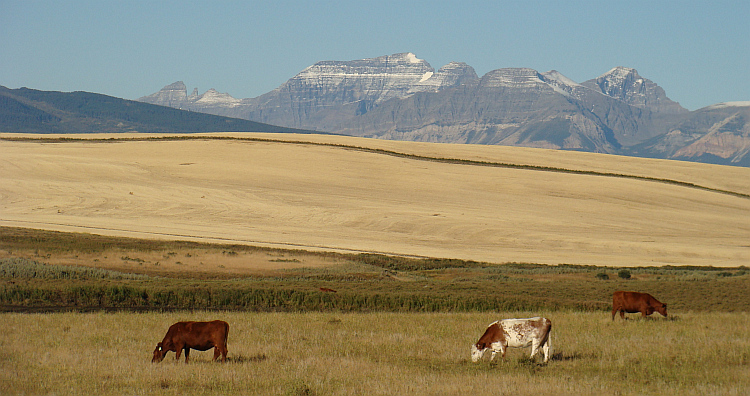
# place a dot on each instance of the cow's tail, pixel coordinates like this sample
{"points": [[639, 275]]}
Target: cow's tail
{"points": [[226, 331], [549, 342]]}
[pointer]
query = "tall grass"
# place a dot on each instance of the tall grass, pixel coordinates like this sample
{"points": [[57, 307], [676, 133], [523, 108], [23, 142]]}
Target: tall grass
{"points": [[374, 353], [29, 285], [20, 268]]}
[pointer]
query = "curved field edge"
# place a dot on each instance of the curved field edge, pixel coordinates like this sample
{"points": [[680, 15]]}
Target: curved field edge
{"points": [[383, 151]]}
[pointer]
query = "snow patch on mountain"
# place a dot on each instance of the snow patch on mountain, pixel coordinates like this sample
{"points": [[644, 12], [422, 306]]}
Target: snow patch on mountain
{"points": [[374, 79], [729, 104], [561, 84], [512, 78], [412, 58], [426, 76], [450, 75], [213, 97]]}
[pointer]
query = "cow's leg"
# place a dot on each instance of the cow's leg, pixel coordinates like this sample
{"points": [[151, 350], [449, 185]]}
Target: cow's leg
{"points": [[547, 348], [614, 312], [178, 352], [495, 351], [187, 353], [224, 352], [622, 314], [217, 352], [534, 348]]}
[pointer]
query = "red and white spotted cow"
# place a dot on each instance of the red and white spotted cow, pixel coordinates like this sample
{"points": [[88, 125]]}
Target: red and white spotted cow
{"points": [[514, 333]]}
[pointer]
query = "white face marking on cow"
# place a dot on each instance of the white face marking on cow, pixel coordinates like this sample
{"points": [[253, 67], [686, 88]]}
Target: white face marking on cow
{"points": [[476, 354]]}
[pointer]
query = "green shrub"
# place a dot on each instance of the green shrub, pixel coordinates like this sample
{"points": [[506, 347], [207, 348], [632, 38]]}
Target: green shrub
{"points": [[624, 274]]}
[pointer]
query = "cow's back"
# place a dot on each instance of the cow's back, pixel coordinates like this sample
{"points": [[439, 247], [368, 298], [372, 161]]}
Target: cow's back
{"points": [[629, 300], [522, 332], [201, 332], [198, 333]]}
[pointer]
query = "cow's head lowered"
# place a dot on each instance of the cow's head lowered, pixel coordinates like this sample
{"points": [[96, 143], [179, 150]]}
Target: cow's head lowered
{"points": [[476, 352], [159, 353], [493, 334], [662, 309]]}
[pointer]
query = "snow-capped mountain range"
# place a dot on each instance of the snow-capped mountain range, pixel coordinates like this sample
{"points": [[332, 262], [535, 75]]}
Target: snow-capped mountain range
{"points": [[402, 97]]}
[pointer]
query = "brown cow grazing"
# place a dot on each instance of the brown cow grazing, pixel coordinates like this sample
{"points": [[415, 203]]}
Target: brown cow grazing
{"points": [[201, 336], [632, 302]]}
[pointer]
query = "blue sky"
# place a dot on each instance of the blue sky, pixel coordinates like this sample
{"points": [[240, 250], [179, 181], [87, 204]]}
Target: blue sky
{"points": [[698, 51]]}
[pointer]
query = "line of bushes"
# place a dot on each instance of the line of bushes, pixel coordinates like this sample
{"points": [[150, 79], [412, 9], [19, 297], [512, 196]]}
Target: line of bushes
{"points": [[259, 299]]}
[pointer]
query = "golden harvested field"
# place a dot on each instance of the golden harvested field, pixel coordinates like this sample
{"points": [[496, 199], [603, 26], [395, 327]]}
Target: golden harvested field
{"points": [[360, 195]]}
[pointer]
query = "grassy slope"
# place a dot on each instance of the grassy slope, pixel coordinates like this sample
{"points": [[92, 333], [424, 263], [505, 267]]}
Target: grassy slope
{"points": [[32, 111]]}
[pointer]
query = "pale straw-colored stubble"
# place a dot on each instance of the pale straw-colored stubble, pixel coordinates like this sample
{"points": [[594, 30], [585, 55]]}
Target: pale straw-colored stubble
{"points": [[320, 197], [198, 261]]}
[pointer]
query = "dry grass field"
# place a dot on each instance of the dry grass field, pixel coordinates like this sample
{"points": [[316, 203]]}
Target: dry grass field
{"points": [[361, 195], [374, 354]]}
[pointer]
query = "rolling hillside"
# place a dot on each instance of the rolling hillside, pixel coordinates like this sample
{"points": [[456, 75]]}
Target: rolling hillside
{"points": [[26, 110], [315, 192]]}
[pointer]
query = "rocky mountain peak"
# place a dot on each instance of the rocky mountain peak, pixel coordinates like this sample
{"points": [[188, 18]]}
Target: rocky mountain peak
{"points": [[400, 96], [214, 97], [193, 96], [625, 84], [172, 95], [374, 79], [452, 74], [620, 82]]}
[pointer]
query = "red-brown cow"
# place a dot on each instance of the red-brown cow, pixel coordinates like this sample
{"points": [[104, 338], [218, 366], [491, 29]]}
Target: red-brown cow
{"points": [[632, 302], [201, 336]]}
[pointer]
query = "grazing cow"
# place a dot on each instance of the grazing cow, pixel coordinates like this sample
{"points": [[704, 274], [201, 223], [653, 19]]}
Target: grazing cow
{"points": [[631, 302], [327, 290], [514, 333], [201, 336]]}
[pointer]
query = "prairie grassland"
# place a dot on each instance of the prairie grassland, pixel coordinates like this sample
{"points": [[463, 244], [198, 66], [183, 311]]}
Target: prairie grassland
{"points": [[53, 270], [375, 353]]}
